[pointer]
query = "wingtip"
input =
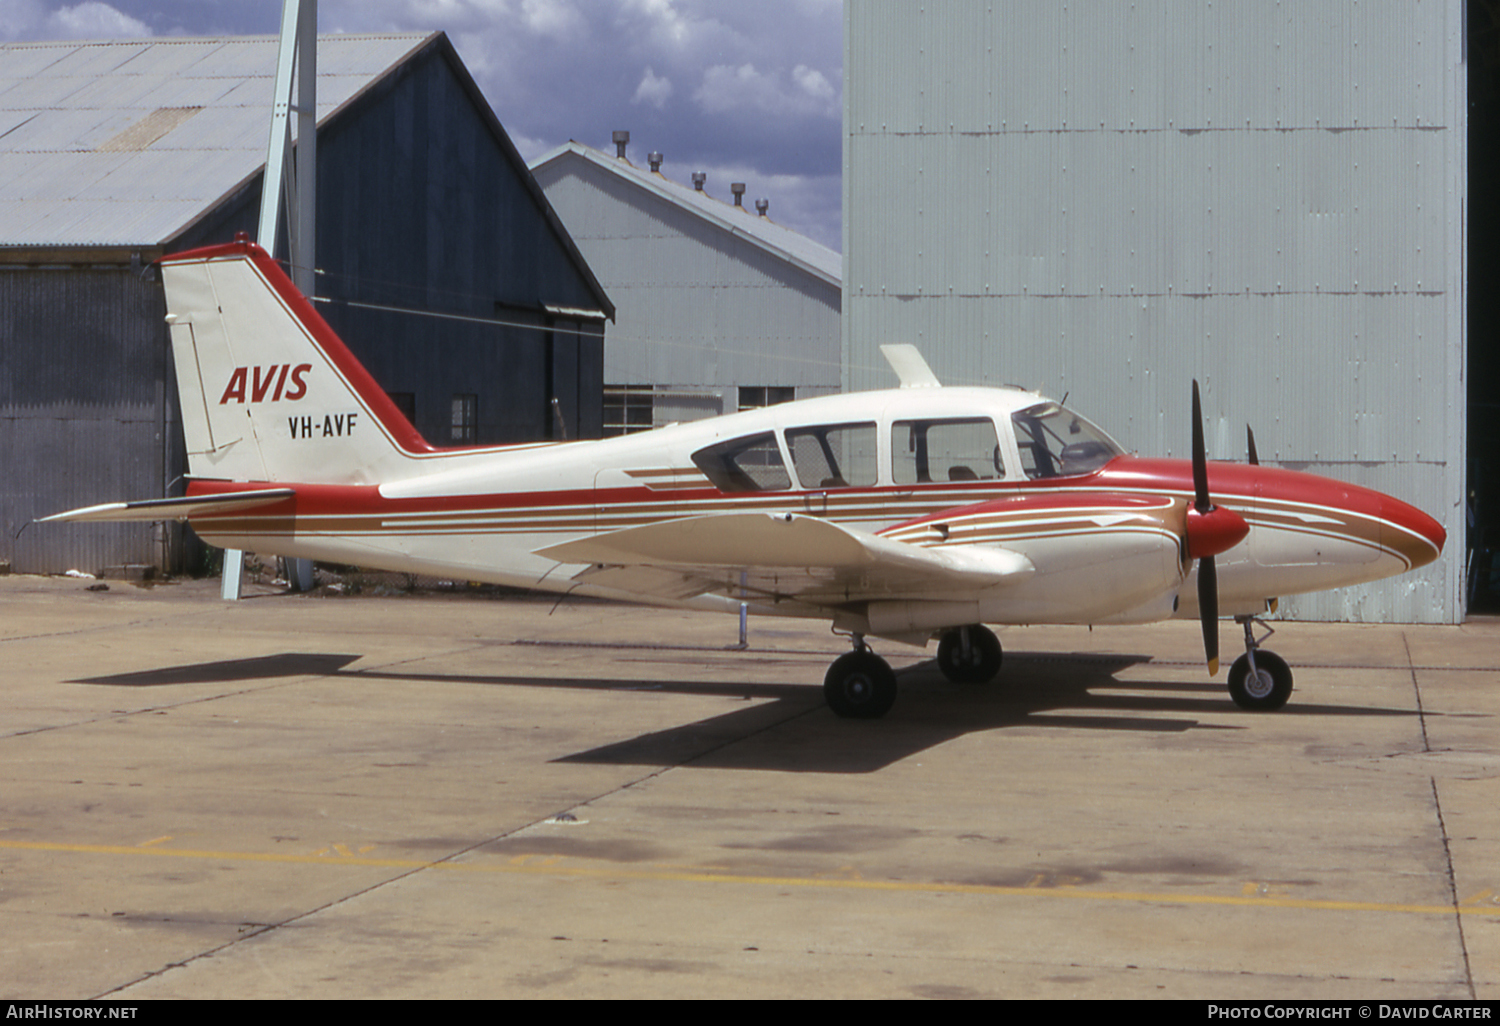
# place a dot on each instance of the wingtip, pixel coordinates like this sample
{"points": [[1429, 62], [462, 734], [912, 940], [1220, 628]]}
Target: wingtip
{"points": [[83, 513]]}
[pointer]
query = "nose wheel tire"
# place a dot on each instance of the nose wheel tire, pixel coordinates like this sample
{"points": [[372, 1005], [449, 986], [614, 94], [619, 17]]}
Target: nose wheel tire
{"points": [[979, 664], [1265, 690], [860, 686]]}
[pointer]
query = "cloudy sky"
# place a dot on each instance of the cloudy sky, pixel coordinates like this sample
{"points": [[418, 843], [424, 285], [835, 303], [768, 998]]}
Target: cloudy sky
{"points": [[744, 91]]}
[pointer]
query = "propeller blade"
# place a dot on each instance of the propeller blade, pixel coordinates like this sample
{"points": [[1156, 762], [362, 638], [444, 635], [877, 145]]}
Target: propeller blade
{"points": [[1250, 436], [1200, 456], [1208, 576], [1208, 609]]}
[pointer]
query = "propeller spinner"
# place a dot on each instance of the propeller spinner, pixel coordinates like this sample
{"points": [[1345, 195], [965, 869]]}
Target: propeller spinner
{"points": [[1210, 530]]}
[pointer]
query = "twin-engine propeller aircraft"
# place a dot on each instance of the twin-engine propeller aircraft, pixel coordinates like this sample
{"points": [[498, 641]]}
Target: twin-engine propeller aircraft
{"points": [[917, 513]]}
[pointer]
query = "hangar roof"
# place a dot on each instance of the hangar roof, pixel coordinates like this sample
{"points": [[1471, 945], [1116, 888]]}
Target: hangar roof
{"points": [[128, 143], [782, 242]]}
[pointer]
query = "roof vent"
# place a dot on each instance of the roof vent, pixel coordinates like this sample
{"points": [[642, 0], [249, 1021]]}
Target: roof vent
{"points": [[654, 158], [622, 139], [761, 206], [698, 179], [738, 188]]}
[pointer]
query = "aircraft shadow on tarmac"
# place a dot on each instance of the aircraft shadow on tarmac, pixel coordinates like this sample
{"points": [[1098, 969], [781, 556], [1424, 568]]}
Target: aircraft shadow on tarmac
{"points": [[1035, 690], [225, 671]]}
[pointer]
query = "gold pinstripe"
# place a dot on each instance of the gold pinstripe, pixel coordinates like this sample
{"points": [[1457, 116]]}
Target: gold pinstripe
{"points": [[991, 526]]}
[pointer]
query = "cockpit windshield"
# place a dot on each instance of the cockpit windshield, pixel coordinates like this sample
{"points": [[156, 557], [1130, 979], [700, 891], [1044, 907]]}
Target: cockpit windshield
{"points": [[1056, 442]]}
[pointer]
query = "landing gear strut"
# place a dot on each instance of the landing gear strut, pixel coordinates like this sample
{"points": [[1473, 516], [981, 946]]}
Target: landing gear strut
{"points": [[860, 685], [969, 655], [1259, 681]]}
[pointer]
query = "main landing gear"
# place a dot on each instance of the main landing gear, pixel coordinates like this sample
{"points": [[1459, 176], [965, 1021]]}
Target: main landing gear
{"points": [[969, 655], [1259, 681], [860, 685]]}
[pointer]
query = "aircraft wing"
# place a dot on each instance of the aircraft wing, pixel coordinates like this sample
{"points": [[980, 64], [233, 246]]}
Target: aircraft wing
{"points": [[174, 509], [780, 557]]}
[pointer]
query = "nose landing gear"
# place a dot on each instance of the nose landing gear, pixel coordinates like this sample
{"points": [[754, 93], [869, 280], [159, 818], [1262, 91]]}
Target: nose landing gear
{"points": [[1259, 681]]}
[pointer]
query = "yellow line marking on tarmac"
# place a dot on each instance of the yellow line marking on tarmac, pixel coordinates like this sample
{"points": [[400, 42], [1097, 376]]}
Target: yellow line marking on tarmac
{"points": [[549, 866]]}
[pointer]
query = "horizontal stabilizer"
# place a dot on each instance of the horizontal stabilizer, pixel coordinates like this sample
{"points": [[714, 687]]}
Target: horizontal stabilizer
{"points": [[174, 509]]}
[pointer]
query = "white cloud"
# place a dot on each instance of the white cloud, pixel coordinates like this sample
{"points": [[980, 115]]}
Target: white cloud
{"points": [[812, 82], [93, 20], [18, 18], [655, 90], [31, 19], [666, 22], [556, 19], [727, 88]]}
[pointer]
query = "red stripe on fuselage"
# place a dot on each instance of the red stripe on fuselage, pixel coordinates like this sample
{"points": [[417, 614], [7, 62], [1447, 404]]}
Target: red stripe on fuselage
{"points": [[1124, 483], [1233, 483]]}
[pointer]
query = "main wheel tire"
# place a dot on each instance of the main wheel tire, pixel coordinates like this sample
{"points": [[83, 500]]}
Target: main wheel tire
{"points": [[1267, 689], [984, 657], [860, 686]]}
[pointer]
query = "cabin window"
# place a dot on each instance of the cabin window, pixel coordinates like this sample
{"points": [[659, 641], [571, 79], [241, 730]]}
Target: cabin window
{"points": [[749, 464], [923, 451], [1055, 442], [833, 455]]}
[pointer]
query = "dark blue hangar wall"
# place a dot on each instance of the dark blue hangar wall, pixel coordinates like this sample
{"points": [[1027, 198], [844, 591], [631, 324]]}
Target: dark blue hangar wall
{"points": [[444, 268], [427, 206], [424, 206]]}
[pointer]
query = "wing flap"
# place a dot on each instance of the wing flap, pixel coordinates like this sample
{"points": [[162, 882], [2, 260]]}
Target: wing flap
{"points": [[173, 509]]}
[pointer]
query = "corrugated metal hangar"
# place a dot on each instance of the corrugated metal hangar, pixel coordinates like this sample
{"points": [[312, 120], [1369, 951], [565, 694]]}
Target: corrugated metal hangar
{"points": [[441, 262], [720, 308], [1109, 200]]}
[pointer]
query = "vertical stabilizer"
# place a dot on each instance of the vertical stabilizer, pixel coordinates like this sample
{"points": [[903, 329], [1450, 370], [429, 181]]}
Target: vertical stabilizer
{"points": [[269, 392]]}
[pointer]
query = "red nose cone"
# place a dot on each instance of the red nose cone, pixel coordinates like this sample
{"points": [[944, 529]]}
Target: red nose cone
{"points": [[1410, 532], [1215, 531]]}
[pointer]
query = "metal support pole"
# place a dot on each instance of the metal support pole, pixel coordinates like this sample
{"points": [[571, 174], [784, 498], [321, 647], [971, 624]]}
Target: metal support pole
{"points": [[744, 615], [234, 573], [280, 138], [302, 224], [297, 58]]}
